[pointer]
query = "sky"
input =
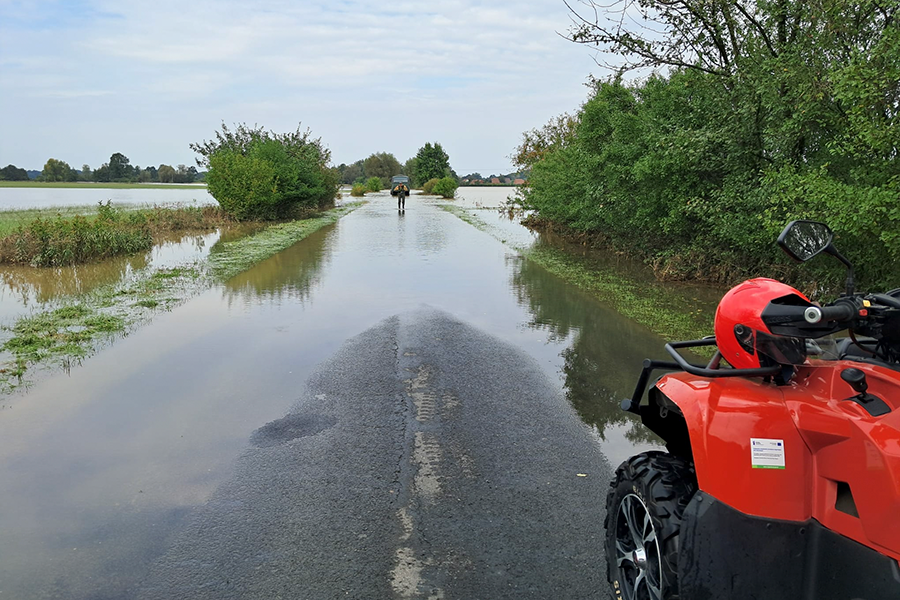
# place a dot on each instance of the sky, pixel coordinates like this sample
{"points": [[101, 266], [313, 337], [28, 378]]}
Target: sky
{"points": [[81, 80]]}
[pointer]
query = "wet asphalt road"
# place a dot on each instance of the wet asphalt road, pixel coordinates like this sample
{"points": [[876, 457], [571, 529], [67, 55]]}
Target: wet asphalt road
{"points": [[425, 459]]}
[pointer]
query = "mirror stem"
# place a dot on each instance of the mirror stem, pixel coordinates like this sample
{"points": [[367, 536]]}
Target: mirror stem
{"points": [[851, 281]]}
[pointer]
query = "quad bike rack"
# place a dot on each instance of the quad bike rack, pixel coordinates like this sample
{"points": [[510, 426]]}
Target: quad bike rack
{"points": [[712, 369]]}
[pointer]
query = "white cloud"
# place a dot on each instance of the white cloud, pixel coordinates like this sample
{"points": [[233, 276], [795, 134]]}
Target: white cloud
{"points": [[147, 78]]}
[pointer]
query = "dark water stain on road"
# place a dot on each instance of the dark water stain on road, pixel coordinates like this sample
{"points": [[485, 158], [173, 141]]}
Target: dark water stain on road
{"points": [[100, 470]]}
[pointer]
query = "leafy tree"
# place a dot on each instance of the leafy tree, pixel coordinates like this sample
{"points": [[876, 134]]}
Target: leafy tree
{"points": [[149, 174], [258, 174], [166, 174], [352, 173], [120, 168], [409, 169], [769, 110], [13, 173], [185, 174], [101, 173], [58, 170], [86, 173], [431, 163], [383, 165], [538, 142]]}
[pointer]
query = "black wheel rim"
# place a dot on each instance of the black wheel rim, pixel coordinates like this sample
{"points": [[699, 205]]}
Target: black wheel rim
{"points": [[637, 551]]}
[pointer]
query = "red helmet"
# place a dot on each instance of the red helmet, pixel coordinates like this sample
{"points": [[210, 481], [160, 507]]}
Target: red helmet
{"points": [[744, 340]]}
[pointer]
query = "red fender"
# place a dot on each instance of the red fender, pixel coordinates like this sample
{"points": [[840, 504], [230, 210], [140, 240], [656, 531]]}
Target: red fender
{"points": [[827, 442]]}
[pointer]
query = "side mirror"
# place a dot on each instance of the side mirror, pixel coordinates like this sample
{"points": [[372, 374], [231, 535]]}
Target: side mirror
{"points": [[802, 240]]}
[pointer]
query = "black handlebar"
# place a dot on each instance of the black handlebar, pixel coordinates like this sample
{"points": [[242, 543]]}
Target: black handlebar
{"points": [[838, 312]]}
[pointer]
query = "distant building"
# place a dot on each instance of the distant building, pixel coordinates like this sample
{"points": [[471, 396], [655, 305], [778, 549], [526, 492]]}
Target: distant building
{"points": [[519, 182], [495, 180]]}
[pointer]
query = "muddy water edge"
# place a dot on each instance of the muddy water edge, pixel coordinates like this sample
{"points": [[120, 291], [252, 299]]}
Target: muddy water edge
{"points": [[101, 467]]}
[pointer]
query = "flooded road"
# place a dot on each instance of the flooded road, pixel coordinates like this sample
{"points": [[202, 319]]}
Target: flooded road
{"points": [[102, 470]]}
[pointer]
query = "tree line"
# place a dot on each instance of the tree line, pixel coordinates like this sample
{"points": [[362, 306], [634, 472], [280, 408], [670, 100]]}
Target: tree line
{"points": [[430, 162], [756, 112], [118, 170]]}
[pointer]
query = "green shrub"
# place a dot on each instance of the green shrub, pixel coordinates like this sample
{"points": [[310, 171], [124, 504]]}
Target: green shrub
{"points": [[670, 171], [260, 175], [428, 186], [358, 190], [445, 187], [373, 184]]}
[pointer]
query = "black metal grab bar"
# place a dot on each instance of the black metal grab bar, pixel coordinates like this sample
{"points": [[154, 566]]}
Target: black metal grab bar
{"points": [[711, 370]]}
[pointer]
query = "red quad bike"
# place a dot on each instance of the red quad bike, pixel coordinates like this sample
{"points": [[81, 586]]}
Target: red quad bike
{"points": [[782, 476]]}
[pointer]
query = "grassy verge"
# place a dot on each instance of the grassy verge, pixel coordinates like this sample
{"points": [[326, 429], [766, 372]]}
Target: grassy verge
{"points": [[65, 335], [93, 185], [659, 307]]}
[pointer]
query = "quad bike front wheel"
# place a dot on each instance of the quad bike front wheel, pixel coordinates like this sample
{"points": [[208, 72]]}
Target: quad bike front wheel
{"points": [[644, 507]]}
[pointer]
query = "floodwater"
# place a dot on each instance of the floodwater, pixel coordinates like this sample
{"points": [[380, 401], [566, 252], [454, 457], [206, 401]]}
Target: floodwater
{"points": [[24, 290], [46, 197], [100, 468]]}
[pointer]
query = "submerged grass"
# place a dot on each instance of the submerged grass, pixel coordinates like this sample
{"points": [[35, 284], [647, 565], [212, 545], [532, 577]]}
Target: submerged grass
{"points": [[73, 331], [657, 307], [69, 330]]}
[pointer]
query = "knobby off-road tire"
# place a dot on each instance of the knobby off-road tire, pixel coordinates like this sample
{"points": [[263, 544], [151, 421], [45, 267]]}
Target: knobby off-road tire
{"points": [[644, 508]]}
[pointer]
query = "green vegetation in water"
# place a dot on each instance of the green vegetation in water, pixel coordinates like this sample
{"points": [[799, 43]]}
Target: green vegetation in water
{"points": [[105, 232], [10, 220], [667, 314], [73, 331], [89, 185], [70, 330]]}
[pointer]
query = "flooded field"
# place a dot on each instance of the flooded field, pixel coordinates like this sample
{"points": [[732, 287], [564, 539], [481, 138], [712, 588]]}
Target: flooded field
{"points": [[45, 197], [100, 468]]}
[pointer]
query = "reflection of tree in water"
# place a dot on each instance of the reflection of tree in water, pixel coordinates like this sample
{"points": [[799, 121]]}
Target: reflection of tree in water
{"points": [[603, 362], [289, 274]]}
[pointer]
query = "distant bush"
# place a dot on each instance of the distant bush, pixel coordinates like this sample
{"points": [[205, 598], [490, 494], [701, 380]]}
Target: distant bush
{"points": [[445, 187], [373, 184], [358, 190], [428, 186], [260, 175]]}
